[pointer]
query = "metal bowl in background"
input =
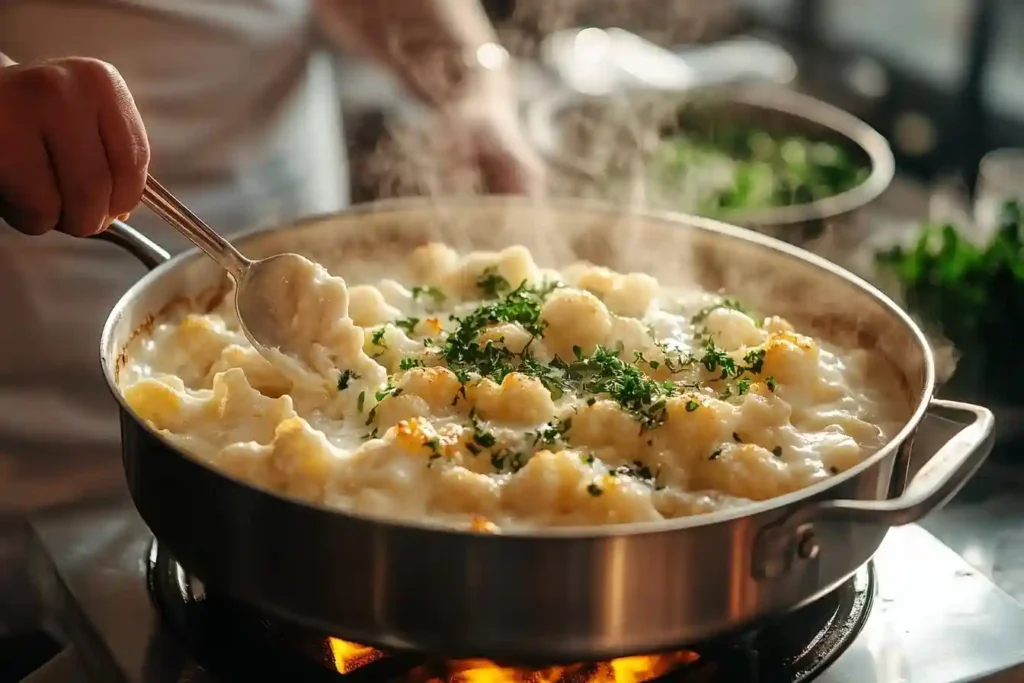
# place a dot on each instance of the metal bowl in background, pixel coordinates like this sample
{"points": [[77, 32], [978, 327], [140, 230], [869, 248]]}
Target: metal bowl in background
{"points": [[597, 146]]}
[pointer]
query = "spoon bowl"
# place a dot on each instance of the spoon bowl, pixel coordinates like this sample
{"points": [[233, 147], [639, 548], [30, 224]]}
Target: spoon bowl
{"points": [[268, 294], [269, 302]]}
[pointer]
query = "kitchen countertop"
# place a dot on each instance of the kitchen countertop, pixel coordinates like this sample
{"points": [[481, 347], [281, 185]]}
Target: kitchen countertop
{"points": [[985, 525]]}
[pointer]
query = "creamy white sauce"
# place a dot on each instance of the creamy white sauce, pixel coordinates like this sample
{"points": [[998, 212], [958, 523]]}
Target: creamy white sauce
{"points": [[401, 429]]}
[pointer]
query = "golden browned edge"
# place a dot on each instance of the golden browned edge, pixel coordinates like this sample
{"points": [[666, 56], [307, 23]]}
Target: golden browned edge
{"points": [[213, 296]]}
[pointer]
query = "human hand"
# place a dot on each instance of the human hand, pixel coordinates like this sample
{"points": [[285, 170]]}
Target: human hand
{"points": [[487, 119], [73, 148], [473, 92]]}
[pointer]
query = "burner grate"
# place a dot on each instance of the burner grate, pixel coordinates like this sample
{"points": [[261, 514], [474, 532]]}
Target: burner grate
{"points": [[234, 642]]}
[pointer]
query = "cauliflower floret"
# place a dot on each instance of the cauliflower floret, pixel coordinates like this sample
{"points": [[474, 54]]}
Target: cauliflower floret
{"points": [[744, 471], [367, 307], [732, 330], [159, 400], [458, 490], [632, 337], [839, 453], [632, 295], [438, 387], [606, 424], [303, 459], [546, 484], [695, 424], [563, 488], [259, 372], [196, 343], [520, 399], [230, 412], [510, 336], [574, 318], [394, 409], [595, 279], [431, 262], [517, 266], [791, 359]]}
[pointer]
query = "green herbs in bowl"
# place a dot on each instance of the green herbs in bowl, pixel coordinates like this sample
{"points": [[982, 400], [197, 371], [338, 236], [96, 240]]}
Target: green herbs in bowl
{"points": [[737, 169], [973, 295]]}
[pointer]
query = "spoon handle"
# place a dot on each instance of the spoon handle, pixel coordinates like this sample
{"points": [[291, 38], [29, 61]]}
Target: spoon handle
{"points": [[167, 206]]}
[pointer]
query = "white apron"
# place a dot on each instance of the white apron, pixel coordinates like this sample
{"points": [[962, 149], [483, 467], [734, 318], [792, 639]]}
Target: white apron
{"points": [[244, 127]]}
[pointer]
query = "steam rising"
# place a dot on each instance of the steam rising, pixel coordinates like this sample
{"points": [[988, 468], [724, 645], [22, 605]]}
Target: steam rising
{"points": [[608, 153]]}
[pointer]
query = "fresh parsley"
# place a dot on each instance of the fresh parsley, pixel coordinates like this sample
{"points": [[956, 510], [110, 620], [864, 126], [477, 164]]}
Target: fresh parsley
{"points": [[435, 295], [344, 378]]}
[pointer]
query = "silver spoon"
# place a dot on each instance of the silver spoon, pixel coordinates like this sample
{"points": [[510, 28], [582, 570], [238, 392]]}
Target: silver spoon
{"points": [[264, 314]]}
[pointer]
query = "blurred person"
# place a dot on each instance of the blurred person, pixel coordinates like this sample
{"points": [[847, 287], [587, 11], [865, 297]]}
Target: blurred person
{"points": [[244, 125]]}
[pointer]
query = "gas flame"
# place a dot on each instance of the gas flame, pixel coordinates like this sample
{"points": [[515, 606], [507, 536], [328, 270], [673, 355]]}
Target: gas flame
{"points": [[349, 657]]}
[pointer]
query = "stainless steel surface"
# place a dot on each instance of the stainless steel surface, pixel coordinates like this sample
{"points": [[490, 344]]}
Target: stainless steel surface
{"points": [[551, 594], [588, 138], [141, 247], [935, 619]]}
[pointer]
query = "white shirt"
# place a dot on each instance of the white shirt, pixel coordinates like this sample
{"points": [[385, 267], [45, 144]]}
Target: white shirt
{"points": [[243, 122]]}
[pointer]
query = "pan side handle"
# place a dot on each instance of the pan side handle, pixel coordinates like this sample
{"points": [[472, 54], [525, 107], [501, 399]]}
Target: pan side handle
{"points": [[135, 243], [777, 546]]}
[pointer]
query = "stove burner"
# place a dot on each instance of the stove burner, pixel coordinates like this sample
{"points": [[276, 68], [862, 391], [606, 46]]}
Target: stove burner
{"points": [[233, 642]]}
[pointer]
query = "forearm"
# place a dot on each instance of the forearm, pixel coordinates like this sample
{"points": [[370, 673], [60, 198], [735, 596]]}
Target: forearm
{"points": [[422, 41]]}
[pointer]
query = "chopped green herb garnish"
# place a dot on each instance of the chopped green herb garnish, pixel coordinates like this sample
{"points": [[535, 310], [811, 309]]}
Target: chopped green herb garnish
{"points": [[729, 304], [344, 378], [465, 355], [605, 373], [552, 432], [388, 390], [361, 401], [378, 337], [716, 455], [594, 490], [408, 363], [407, 324], [492, 284], [481, 437], [692, 406], [715, 359], [637, 470], [754, 360], [506, 460], [420, 293], [772, 384]]}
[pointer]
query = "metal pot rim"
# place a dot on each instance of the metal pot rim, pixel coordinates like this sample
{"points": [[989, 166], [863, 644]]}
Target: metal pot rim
{"points": [[109, 358], [540, 124]]}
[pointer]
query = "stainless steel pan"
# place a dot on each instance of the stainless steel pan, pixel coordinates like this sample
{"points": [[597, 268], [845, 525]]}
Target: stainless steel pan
{"points": [[565, 594]]}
